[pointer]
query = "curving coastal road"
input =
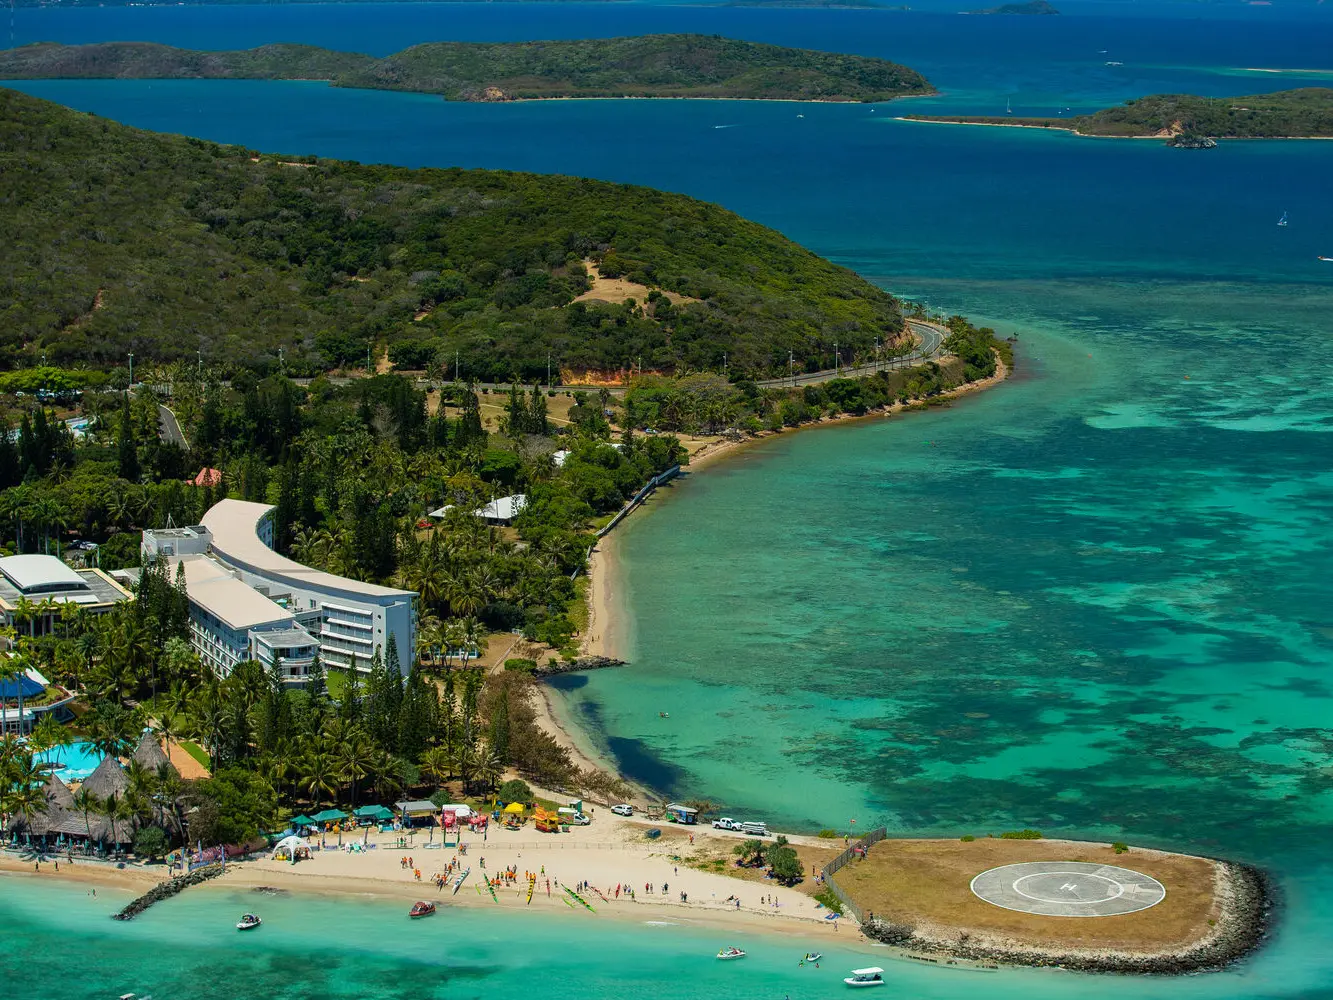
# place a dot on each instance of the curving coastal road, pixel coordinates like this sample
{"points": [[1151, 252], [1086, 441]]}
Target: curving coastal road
{"points": [[930, 347]]}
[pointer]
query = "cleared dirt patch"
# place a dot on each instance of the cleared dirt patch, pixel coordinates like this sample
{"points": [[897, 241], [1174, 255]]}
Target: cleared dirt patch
{"points": [[927, 883], [618, 290]]}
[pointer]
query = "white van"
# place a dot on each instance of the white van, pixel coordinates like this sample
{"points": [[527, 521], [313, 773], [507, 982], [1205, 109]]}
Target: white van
{"points": [[572, 816], [755, 829]]}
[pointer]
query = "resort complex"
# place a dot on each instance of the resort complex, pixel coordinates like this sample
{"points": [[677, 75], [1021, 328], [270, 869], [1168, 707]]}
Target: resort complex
{"points": [[247, 602], [37, 590]]}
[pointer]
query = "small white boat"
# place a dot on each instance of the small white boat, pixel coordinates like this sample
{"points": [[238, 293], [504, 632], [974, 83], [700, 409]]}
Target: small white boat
{"points": [[727, 954], [248, 922], [1282, 221], [1326, 259], [813, 956], [865, 977]]}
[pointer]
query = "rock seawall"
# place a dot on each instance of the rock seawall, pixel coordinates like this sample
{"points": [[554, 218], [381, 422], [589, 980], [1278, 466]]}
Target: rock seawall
{"points": [[582, 663], [1248, 899], [167, 889]]}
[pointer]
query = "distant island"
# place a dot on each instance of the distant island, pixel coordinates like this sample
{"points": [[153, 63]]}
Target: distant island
{"points": [[1035, 7], [1187, 121], [686, 66]]}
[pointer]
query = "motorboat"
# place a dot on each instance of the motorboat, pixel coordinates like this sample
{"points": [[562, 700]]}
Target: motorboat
{"points": [[865, 977], [421, 908], [728, 953], [248, 922], [813, 956]]}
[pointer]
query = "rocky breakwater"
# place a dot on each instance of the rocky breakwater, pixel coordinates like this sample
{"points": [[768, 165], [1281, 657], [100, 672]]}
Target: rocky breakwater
{"points": [[167, 889], [1246, 899], [556, 667]]}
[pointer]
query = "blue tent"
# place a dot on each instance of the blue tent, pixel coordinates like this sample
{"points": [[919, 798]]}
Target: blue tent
{"points": [[30, 687]]}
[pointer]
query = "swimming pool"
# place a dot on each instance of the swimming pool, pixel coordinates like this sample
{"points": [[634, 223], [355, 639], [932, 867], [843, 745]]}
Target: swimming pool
{"points": [[80, 760]]}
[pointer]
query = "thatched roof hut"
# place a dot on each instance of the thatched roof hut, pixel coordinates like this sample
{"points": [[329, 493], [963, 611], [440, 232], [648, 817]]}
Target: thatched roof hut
{"points": [[58, 803], [149, 754], [109, 779]]}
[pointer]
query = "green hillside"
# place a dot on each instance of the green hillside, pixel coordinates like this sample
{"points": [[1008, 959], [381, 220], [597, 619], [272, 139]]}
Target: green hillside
{"points": [[642, 66], [120, 240], [1286, 114]]}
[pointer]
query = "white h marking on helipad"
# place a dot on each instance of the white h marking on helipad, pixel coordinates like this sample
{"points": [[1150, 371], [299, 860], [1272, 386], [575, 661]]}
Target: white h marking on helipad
{"points": [[1069, 887]]}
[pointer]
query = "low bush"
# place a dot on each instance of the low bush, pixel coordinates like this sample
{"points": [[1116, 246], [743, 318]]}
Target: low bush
{"points": [[1021, 835]]}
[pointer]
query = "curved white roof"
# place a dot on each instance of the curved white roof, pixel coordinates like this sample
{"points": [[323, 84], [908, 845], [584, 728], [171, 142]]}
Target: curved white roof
{"points": [[234, 525], [38, 572]]}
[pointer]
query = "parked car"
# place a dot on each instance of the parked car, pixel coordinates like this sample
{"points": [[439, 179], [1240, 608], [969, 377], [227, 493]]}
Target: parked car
{"points": [[624, 809], [725, 824]]}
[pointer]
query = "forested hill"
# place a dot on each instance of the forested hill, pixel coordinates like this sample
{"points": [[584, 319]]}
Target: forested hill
{"points": [[1286, 114], [119, 240], [642, 66]]}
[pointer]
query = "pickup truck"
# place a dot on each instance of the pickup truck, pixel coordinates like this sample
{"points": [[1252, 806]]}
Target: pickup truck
{"points": [[726, 824]]}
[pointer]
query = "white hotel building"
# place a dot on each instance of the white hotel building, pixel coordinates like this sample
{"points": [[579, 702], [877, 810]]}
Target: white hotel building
{"points": [[249, 602]]}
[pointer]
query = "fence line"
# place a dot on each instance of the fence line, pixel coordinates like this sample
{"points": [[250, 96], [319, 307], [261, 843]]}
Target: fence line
{"points": [[860, 847]]}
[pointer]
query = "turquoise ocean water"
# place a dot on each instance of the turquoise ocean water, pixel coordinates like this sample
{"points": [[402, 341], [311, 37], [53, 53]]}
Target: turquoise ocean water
{"points": [[1094, 601]]}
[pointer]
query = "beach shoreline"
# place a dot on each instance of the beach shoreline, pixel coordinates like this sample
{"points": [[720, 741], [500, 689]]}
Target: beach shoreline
{"points": [[606, 611]]}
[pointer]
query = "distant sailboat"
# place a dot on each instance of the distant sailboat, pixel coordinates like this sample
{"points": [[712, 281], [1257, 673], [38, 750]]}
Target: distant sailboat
{"points": [[1007, 109], [1282, 221]]}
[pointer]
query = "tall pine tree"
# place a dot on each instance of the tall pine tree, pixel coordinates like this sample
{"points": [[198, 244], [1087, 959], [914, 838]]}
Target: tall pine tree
{"points": [[126, 446]]}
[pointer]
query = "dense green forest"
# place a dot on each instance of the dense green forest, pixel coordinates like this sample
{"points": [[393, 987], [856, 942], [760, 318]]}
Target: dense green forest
{"points": [[120, 240], [641, 66], [1303, 113]]}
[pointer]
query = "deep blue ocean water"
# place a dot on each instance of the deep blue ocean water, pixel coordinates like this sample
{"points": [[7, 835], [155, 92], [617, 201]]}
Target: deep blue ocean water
{"points": [[1095, 601]]}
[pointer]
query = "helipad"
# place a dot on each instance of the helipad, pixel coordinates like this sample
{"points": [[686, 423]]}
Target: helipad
{"points": [[1068, 889]]}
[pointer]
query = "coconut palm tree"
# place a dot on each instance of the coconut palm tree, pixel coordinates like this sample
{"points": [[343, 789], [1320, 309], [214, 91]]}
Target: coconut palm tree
{"points": [[87, 803], [319, 775], [436, 763], [355, 757], [489, 766]]}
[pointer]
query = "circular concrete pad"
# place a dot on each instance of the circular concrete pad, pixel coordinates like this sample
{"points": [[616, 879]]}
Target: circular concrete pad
{"points": [[1068, 889]]}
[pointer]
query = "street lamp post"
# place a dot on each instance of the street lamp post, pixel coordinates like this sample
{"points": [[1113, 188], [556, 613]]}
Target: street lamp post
{"points": [[131, 371]]}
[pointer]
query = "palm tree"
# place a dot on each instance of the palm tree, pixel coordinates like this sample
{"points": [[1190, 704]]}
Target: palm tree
{"points": [[435, 764], [87, 803], [319, 775], [489, 766], [355, 757]]}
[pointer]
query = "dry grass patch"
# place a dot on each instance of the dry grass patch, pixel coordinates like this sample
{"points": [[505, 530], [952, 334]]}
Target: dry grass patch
{"points": [[715, 854], [618, 290], [927, 883]]}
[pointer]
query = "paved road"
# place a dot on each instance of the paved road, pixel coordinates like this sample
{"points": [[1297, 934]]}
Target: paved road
{"points": [[170, 428], [930, 348]]}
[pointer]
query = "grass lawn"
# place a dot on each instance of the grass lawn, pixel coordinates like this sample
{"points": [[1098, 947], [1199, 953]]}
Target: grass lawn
{"points": [[195, 751]]}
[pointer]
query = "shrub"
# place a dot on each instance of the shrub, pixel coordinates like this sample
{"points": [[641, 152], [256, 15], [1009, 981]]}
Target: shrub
{"points": [[151, 842], [514, 790], [967, 838], [1021, 835], [829, 899], [1119, 847], [828, 834], [522, 665]]}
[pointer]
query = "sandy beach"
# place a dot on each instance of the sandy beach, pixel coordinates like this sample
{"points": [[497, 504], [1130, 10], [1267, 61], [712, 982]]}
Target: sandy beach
{"points": [[612, 852]]}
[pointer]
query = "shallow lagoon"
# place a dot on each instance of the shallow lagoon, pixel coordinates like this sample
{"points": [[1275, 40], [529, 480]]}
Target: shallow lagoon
{"points": [[1094, 600]]}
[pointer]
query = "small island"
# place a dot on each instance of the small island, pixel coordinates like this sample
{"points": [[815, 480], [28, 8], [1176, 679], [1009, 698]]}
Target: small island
{"points": [[1186, 121], [682, 66], [1038, 7]]}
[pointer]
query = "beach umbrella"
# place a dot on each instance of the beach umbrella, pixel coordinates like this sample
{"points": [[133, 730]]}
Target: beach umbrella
{"points": [[514, 807]]}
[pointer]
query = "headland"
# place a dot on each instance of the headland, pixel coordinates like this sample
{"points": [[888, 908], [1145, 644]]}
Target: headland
{"points": [[1187, 121]]}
